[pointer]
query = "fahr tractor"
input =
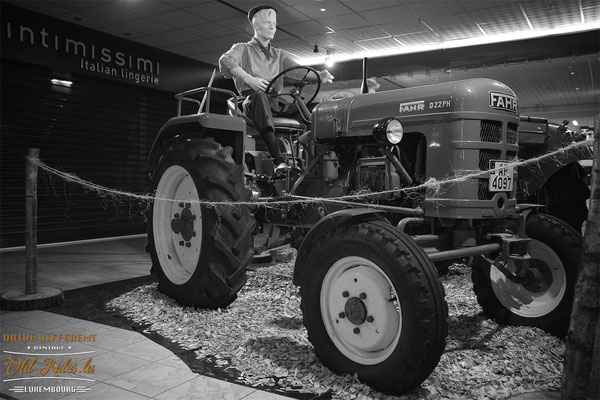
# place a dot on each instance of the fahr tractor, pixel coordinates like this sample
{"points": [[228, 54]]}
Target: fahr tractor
{"points": [[560, 183], [366, 206]]}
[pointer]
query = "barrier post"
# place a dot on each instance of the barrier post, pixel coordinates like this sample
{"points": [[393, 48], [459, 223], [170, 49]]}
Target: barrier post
{"points": [[32, 298], [31, 173]]}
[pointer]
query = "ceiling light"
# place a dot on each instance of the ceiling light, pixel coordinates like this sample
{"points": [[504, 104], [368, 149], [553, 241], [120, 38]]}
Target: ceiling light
{"points": [[481, 29], [322, 9], [499, 38], [329, 62], [61, 82], [526, 17]]}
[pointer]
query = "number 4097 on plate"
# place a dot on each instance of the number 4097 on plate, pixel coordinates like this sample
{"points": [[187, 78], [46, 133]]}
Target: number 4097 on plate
{"points": [[501, 176]]}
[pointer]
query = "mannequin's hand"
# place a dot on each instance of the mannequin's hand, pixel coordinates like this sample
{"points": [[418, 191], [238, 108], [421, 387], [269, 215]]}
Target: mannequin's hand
{"points": [[258, 84], [326, 77]]}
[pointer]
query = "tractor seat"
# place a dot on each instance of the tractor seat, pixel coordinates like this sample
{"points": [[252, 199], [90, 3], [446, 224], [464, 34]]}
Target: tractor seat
{"points": [[282, 124]]}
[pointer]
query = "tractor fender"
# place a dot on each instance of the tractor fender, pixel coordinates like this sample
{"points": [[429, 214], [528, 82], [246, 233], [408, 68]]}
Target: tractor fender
{"points": [[533, 176], [215, 126], [325, 224], [536, 177]]}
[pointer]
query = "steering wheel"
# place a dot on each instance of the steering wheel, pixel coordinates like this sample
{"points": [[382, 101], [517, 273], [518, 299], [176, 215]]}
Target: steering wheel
{"points": [[300, 84]]}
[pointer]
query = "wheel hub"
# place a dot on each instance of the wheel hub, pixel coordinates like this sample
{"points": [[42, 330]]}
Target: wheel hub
{"points": [[362, 320], [356, 311], [177, 225], [184, 223], [539, 278], [543, 289]]}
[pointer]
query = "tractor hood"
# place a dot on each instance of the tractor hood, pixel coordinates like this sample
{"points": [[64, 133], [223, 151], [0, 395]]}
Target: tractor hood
{"points": [[466, 99]]}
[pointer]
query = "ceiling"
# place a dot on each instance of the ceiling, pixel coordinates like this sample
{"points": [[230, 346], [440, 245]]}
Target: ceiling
{"points": [[550, 72]]}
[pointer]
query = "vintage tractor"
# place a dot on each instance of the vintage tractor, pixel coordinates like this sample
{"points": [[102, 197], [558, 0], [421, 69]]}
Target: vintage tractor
{"points": [[366, 206], [560, 183]]}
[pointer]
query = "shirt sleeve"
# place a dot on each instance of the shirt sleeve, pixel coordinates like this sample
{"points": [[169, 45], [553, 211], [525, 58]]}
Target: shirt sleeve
{"points": [[288, 61], [231, 59]]}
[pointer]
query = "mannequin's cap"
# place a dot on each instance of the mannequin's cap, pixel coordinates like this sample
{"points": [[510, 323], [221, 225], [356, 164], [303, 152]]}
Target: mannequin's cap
{"points": [[256, 9]]}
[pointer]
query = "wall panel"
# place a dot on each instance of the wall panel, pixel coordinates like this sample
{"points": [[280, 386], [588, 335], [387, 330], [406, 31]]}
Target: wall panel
{"points": [[99, 130]]}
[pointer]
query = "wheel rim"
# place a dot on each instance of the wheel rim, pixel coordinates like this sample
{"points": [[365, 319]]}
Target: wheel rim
{"points": [[537, 299], [360, 310], [177, 225]]}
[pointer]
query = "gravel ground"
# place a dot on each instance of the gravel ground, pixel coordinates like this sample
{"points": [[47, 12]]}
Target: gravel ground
{"points": [[262, 337]]}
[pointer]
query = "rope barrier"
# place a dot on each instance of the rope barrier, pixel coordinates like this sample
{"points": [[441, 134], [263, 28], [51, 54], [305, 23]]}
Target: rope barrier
{"points": [[432, 184]]}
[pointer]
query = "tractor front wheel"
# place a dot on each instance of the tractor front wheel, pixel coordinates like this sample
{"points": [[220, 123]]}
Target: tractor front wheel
{"points": [[199, 251], [546, 300], [372, 304]]}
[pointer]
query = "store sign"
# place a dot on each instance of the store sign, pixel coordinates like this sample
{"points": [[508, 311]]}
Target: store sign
{"points": [[39, 39]]}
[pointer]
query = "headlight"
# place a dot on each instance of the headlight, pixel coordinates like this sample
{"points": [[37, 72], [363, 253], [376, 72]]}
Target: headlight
{"points": [[388, 131]]}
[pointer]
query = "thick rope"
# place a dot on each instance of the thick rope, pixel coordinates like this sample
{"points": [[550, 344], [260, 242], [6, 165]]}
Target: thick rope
{"points": [[433, 184]]}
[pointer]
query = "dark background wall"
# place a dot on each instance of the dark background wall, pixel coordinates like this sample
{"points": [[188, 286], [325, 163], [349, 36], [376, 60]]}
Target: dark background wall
{"points": [[100, 129]]}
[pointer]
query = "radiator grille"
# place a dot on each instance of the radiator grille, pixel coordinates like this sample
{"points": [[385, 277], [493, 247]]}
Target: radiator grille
{"points": [[485, 156], [483, 192], [372, 177], [491, 131], [511, 133]]}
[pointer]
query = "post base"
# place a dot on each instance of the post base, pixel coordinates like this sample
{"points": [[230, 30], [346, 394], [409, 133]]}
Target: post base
{"points": [[18, 300]]}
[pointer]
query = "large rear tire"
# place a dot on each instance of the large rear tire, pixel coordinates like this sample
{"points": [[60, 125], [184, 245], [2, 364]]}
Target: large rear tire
{"points": [[199, 252], [564, 197], [546, 302], [373, 305]]}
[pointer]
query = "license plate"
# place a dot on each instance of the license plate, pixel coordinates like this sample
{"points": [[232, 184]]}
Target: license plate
{"points": [[501, 176]]}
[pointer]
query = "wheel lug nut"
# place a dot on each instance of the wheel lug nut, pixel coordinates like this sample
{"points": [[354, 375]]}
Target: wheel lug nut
{"points": [[176, 215], [356, 331], [188, 244], [181, 205], [181, 243], [362, 296], [370, 318], [342, 315], [345, 293]]}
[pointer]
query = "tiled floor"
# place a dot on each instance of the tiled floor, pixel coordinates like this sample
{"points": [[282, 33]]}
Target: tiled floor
{"points": [[127, 365]]}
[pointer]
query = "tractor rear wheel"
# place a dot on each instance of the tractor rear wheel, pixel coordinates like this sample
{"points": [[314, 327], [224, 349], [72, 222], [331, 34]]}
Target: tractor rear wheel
{"points": [[564, 197], [199, 251], [373, 305], [546, 301]]}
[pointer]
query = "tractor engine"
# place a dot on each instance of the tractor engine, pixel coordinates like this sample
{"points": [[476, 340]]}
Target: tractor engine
{"points": [[458, 130]]}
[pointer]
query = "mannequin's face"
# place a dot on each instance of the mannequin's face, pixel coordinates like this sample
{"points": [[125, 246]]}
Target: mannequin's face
{"points": [[264, 23]]}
